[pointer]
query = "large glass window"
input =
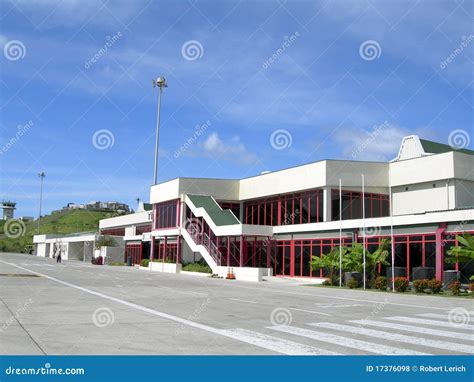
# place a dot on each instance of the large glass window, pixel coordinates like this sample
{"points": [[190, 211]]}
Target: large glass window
{"points": [[376, 205], [300, 208], [166, 214]]}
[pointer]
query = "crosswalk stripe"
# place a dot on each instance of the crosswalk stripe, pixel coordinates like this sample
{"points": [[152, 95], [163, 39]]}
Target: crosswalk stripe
{"points": [[429, 322], [415, 329], [345, 341], [438, 315], [276, 344], [451, 346]]}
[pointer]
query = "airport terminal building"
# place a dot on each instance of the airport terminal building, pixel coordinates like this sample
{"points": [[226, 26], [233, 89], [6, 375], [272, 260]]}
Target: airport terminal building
{"points": [[271, 224]]}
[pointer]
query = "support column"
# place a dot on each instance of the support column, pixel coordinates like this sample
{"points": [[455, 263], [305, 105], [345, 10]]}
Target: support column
{"points": [[178, 249], [440, 252], [327, 204], [152, 248], [241, 254], [228, 251]]}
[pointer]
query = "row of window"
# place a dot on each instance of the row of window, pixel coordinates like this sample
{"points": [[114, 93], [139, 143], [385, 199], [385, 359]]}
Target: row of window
{"points": [[376, 205], [166, 214], [300, 208]]}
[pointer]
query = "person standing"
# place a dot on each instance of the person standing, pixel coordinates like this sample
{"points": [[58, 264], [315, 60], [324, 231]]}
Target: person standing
{"points": [[58, 258]]}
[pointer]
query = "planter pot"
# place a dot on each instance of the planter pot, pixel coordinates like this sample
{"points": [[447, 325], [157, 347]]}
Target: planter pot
{"points": [[165, 267], [398, 272], [420, 273], [356, 275], [449, 277]]}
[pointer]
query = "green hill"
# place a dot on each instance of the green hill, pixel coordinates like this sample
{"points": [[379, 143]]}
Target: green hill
{"points": [[64, 222]]}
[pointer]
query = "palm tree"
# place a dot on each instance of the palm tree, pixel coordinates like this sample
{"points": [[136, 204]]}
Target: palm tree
{"points": [[354, 260], [463, 253], [329, 261]]}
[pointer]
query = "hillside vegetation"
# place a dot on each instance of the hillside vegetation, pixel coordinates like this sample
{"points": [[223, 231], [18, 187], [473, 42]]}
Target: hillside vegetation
{"points": [[64, 222]]}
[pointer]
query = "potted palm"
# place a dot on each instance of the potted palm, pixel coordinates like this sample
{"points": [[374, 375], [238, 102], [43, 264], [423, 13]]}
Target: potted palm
{"points": [[330, 262], [461, 253]]}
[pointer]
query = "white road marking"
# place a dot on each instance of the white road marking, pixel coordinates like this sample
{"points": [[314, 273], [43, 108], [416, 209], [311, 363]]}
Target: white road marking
{"points": [[238, 299], [451, 346], [335, 305], [415, 329], [429, 322], [437, 315], [311, 311], [276, 344], [345, 341], [279, 291]]}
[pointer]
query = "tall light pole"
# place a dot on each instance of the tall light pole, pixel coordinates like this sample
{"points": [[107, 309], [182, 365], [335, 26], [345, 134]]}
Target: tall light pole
{"points": [[41, 176], [160, 82]]}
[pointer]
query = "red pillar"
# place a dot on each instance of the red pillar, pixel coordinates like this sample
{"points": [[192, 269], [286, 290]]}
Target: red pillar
{"points": [[178, 250], [228, 251], [440, 252], [241, 255], [152, 249], [164, 251]]}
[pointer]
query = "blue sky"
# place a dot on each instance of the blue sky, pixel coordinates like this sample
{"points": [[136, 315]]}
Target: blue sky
{"points": [[253, 86]]}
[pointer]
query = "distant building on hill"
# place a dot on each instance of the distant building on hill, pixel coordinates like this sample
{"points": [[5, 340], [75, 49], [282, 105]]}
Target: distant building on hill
{"points": [[99, 206], [8, 209]]}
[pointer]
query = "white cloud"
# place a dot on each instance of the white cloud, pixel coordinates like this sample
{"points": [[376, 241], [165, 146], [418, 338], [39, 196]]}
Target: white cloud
{"points": [[233, 150]]}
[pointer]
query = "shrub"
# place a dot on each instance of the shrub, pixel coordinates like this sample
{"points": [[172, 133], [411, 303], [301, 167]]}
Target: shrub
{"points": [[117, 264], [144, 262], [455, 287], [435, 286], [420, 285], [401, 284], [197, 267], [352, 283], [381, 283], [331, 281]]}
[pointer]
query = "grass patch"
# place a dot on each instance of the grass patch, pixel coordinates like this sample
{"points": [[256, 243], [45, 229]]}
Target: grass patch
{"points": [[117, 264]]}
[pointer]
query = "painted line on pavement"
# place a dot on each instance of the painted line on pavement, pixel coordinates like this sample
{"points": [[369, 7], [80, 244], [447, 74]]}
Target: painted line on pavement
{"points": [[345, 341], [442, 316], [420, 341], [415, 329], [238, 299], [430, 322], [311, 311]]}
